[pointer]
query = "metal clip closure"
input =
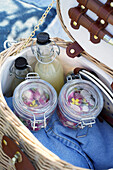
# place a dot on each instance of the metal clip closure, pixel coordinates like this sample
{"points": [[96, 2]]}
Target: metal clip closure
{"points": [[84, 124], [32, 75], [17, 158], [72, 76], [88, 122]]}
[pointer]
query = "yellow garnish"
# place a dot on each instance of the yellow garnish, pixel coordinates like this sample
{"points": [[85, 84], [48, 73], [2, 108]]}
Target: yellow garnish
{"points": [[75, 101], [34, 104]]}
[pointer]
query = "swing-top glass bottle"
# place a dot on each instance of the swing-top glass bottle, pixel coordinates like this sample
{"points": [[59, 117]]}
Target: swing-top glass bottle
{"points": [[19, 70], [48, 66]]}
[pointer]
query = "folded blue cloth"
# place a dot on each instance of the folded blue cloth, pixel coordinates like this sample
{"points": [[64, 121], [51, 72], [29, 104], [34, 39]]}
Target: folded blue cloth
{"points": [[96, 146], [39, 3], [57, 139], [18, 18], [94, 150]]}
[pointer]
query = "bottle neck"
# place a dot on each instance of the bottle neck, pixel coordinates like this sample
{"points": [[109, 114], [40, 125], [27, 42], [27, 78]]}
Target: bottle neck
{"points": [[21, 74], [45, 53]]}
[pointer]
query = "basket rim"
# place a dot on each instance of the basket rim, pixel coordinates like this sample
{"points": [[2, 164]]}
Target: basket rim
{"points": [[16, 130], [30, 144]]}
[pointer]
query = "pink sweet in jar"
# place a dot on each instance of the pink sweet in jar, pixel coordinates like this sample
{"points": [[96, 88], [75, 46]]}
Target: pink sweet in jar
{"points": [[34, 102], [79, 103]]}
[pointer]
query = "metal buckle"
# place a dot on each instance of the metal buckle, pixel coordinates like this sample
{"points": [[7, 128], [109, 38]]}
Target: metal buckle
{"points": [[86, 122], [17, 158]]}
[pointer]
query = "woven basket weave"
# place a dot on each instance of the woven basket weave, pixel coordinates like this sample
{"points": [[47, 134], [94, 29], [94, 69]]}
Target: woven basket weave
{"points": [[11, 126]]}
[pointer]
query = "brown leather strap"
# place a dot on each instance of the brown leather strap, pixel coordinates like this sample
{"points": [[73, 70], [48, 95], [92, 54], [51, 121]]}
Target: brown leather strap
{"points": [[74, 49], [112, 85], [107, 118], [110, 17], [94, 28], [75, 14], [77, 69], [97, 26], [86, 22], [105, 11], [84, 2], [10, 148]]}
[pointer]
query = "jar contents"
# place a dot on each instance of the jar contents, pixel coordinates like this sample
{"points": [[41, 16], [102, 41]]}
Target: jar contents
{"points": [[34, 103], [80, 102], [35, 97], [20, 69], [48, 66]]}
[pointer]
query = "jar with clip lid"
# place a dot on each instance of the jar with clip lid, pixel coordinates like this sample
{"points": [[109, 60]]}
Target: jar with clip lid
{"points": [[79, 103], [34, 102], [48, 66]]}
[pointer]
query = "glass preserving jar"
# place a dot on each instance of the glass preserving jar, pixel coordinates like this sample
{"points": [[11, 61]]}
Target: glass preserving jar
{"points": [[34, 102], [79, 103]]}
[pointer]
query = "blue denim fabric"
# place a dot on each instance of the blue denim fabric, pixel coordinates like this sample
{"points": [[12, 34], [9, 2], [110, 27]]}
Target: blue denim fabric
{"points": [[94, 150], [54, 138], [96, 145]]}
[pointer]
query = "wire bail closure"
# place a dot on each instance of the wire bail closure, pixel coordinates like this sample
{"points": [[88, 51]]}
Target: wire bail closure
{"points": [[34, 51], [11, 70], [72, 77], [32, 75], [34, 122]]}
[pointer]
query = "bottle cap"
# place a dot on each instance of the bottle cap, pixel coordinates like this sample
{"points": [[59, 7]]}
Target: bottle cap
{"points": [[21, 63], [43, 38]]}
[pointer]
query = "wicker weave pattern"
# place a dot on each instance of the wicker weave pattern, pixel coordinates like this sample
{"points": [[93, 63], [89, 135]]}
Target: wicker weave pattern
{"points": [[11, 126], [12, 51]]}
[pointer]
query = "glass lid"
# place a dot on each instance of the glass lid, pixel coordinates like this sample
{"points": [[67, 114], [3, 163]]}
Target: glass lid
{"points": [[36, 96], [82, 99]]}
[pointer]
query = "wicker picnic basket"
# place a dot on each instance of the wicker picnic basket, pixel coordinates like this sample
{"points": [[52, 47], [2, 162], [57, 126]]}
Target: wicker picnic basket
{"points": [[12, 127]]}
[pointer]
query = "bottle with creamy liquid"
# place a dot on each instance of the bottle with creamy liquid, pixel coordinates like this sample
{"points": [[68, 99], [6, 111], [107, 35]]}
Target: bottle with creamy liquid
{"points": [[48, 66]]}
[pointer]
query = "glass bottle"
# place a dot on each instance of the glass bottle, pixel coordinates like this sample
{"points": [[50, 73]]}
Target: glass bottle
{"points": [[48, 66], [19, 69]]}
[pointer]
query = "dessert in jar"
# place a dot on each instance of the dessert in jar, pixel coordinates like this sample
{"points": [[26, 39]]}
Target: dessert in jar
{"points": [[48, 66], [79, 103], [34, 102]]}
